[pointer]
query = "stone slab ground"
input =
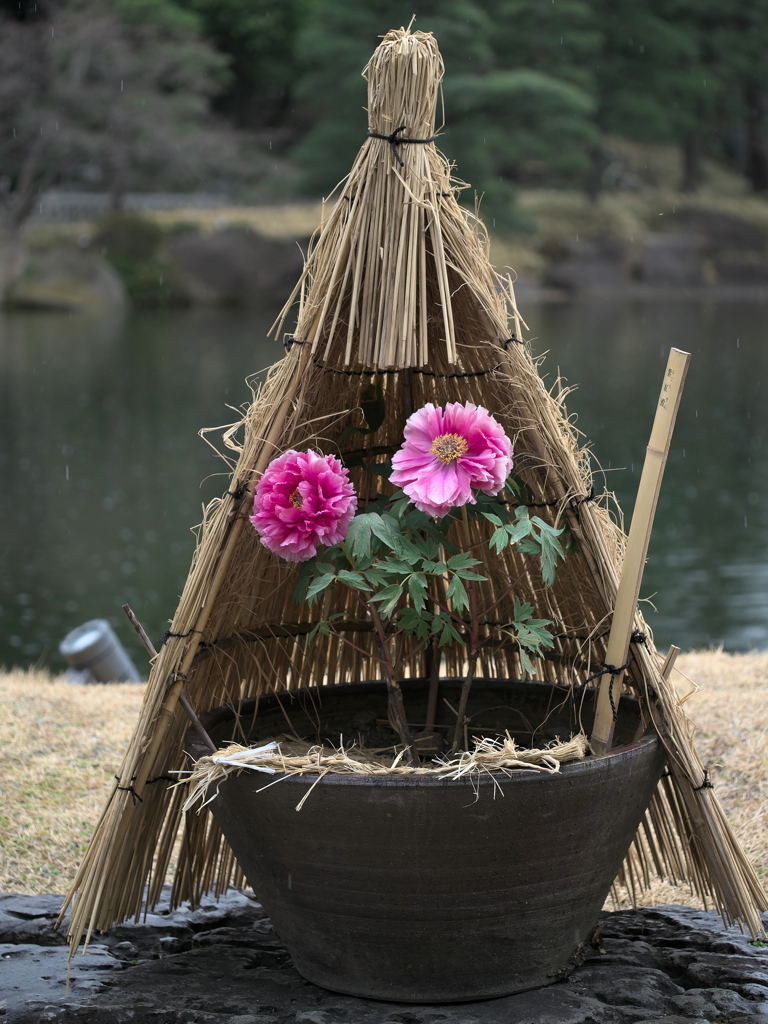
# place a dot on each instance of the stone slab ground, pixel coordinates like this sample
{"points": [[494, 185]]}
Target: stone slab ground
{"points": [[224, 964]]}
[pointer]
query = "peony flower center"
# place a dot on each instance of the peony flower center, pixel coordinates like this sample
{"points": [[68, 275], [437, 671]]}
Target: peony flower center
{"points": [[296, 499], [449, 447]]}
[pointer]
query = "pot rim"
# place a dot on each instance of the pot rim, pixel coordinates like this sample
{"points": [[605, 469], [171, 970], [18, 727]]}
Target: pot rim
{"points": [[196, 749]]}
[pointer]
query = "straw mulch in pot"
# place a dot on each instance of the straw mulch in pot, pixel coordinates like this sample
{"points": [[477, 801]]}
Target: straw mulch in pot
{"points": [[398, 305]]}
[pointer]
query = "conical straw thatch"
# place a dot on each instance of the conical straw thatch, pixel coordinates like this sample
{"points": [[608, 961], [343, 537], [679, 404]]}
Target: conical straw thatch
{"points": [[397, 293]]}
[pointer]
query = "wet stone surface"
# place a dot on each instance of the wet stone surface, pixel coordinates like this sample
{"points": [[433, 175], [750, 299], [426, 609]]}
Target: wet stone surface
{"points": [[224, 964]]}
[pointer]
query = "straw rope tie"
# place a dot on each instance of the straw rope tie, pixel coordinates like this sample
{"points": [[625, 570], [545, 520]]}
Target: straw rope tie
{"points": [[395, 140]]}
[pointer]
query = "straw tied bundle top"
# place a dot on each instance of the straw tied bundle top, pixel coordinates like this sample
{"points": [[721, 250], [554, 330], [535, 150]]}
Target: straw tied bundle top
{"points": [[398, 307]]}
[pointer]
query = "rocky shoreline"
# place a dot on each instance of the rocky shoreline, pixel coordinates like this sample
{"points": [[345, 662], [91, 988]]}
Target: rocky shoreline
{"points": [[655, 244], [224, 964]]}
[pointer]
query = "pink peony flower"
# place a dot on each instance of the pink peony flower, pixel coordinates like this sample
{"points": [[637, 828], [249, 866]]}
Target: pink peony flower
{"points": [[302, 500], [446, 454]]}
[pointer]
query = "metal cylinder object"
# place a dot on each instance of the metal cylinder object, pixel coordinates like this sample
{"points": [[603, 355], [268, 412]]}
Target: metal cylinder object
{"points": [[95, 647]]}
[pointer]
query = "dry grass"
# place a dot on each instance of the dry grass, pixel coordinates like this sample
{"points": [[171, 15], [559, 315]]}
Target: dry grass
{"points": [[281, 223], [298, 757], [730, 713], [284, 222], [62, 744]]}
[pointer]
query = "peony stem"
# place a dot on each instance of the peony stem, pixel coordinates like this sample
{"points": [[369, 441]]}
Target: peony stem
{"points": [[510, 588], [466, 686], [433, 663], [461, 718], [394, 692]]}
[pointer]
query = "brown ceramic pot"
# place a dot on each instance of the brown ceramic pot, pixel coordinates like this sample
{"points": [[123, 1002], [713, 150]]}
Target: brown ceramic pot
{"points": [[419, 889]]}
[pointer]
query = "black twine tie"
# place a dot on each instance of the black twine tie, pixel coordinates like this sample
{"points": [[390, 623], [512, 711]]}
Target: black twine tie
{"points": [[396, 140], [129, 789], [289, 341], [613, 671], [182, 636], [706, 784]]}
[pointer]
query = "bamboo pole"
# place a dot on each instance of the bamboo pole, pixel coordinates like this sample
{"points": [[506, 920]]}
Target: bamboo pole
{"points": [[666, 672], [637, 549], [669, 662], [149, 647]]}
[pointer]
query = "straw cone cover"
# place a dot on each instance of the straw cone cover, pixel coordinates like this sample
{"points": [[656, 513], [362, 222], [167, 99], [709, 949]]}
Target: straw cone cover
{"points": [[397, 299]]}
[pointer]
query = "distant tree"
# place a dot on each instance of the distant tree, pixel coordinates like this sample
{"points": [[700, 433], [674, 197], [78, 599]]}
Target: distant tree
{"points": [[733, 41], [259, 39], [533, 109], [693, 72], [649, 81], [120, 86]]}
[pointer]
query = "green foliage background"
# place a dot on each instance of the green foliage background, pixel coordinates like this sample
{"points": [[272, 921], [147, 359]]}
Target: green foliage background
{"points": [[532, 88]]}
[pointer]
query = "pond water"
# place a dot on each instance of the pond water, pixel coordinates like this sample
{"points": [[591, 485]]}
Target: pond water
{"points": [[104, 475]]}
